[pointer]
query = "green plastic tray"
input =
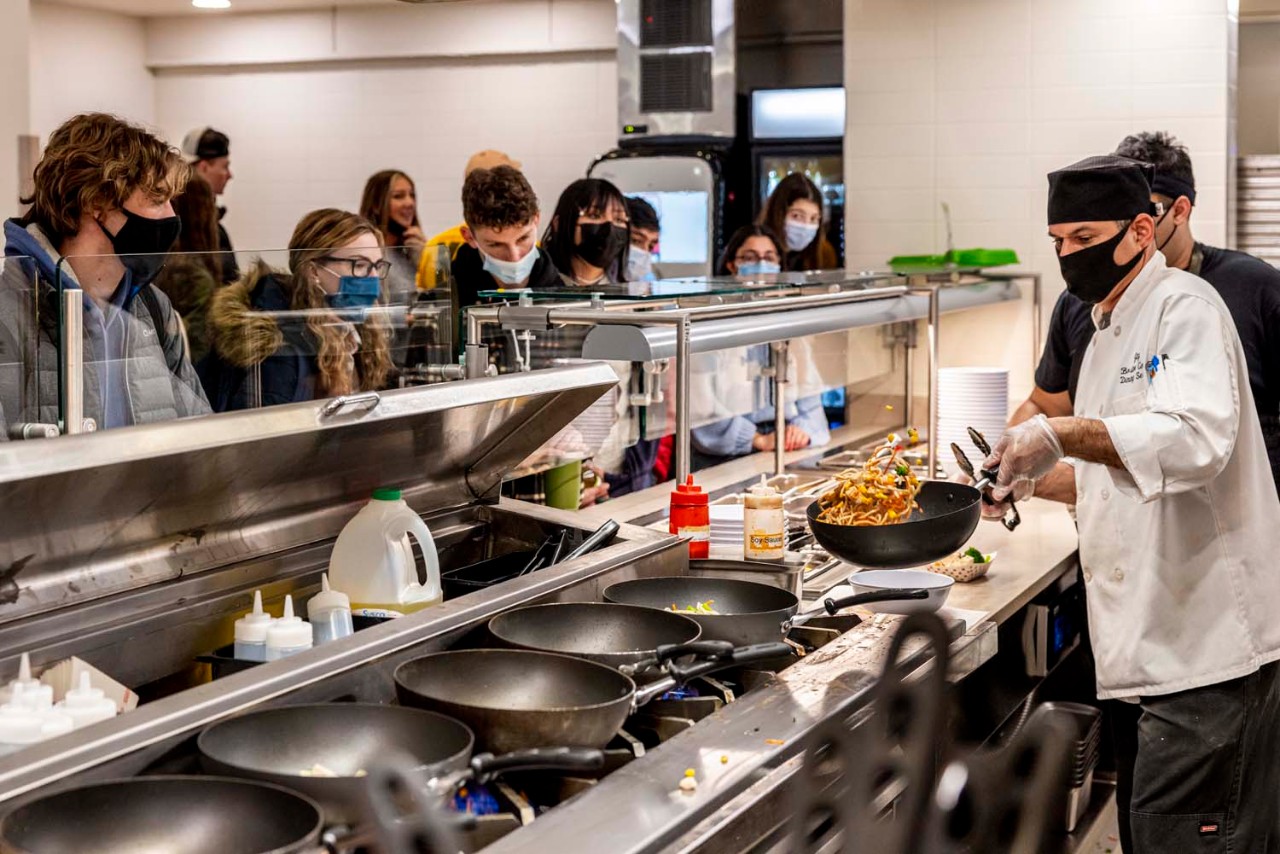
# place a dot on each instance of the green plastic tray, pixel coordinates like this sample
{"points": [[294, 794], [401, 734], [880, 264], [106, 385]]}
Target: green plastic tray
{"points": [[956, 258]]}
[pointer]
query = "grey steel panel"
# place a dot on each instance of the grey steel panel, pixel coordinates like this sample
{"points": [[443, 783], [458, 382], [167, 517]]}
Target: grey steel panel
{"points": [[639, 344], [91, 515]]}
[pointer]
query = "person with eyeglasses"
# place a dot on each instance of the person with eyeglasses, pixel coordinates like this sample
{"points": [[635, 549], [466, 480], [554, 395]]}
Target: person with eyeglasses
{"points": [[753, 250], [308, 333]]}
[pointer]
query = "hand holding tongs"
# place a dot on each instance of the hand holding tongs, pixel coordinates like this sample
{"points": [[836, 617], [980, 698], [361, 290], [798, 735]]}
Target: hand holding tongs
{"points": [[984, 482]]}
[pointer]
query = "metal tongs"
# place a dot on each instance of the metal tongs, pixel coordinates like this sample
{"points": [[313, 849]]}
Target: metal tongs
{"points": [[985, 478]]}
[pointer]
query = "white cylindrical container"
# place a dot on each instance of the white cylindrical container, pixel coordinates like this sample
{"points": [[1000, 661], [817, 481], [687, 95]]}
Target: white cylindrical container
{"points": [[251, 632], [764, 524], [86, 705], [18, 728], [288, 635], [34, 688], [373, 561], [330, 614]]}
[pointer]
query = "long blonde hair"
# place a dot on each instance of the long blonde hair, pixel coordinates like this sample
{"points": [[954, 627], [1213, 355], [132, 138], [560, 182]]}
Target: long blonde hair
{"points": [[317, 234]]}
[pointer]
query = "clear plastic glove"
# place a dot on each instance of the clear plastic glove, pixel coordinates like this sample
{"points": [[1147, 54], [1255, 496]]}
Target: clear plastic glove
{"points": [[1024, 454], [991, 512]]}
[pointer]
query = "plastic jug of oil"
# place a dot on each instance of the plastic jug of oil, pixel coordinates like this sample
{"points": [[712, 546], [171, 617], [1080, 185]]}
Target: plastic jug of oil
{"points": [[373, 562]]}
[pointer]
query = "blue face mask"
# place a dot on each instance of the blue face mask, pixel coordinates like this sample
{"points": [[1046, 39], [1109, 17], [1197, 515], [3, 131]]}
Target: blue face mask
{"points": [[759, 268], [511, 272], [355, 292]]}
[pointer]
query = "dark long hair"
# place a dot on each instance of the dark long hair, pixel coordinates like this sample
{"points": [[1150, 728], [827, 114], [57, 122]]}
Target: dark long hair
{"points": [[584, 196], [740, 237], [198, 208], [790, 189], [375, 203]]}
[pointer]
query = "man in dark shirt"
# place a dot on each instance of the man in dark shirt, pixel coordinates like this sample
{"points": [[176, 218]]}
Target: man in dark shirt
{"points": [[1250, 288], [209, 153]]}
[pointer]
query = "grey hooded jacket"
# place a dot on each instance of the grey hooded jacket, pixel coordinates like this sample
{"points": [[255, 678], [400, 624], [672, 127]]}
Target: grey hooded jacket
{"points": [[157, 372]]}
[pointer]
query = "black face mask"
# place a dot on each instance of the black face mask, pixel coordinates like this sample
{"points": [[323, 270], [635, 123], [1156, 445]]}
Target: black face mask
{"points": [[142, 243], [1092, 273], [1165, 243], [602, 243]]}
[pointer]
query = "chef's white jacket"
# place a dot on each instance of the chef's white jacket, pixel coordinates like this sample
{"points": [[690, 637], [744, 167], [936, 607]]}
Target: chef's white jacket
{"points": [[1181, 548]]}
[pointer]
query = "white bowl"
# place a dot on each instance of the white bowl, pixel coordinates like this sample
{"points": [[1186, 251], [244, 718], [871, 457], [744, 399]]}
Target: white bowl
{"points": [[877, 580]]}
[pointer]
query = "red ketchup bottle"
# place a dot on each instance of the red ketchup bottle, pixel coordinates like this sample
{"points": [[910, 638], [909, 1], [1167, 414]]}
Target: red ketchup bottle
{"points": [[690, 517]]}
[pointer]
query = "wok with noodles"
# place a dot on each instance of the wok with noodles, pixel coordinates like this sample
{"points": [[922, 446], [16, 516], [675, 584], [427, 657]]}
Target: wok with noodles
{"points": [[881, 492]]}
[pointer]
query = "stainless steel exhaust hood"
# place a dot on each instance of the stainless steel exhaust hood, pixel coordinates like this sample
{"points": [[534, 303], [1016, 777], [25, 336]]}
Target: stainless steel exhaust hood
{"points": [[676, 69]]}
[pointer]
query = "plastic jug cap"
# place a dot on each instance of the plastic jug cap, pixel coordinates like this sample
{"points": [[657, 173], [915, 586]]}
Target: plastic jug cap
{"points": [[327, 600], [386, 495], [289, 632], [252, 627]]}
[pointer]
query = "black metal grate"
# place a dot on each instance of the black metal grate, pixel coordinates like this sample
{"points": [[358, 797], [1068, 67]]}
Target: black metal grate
{"points": [[675, 83], [675, 23]]}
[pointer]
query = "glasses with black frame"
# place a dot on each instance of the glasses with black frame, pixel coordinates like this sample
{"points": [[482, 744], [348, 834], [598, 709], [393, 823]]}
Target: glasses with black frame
{"points": [[359, 267]]}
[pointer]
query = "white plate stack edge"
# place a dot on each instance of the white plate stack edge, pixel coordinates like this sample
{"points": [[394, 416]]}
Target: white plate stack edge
{"points": [[970, 397]]}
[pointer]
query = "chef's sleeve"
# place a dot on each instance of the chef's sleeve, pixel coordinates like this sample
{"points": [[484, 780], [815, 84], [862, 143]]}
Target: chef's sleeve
{"points": [[1177, 432]]}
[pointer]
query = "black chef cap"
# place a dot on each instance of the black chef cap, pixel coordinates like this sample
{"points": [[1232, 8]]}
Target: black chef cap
{"points": [[1098, 188], [1173, 187]]}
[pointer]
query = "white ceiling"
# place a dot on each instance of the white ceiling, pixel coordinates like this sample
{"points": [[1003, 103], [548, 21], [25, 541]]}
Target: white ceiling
{"points": [[149, 8]]}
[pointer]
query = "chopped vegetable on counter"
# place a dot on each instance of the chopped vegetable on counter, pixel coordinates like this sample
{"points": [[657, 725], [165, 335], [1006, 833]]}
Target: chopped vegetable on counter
{"points": [[978, 557], [724, 760], [775, 741]]}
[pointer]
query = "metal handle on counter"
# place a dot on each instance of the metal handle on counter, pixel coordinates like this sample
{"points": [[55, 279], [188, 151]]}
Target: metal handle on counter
{"points": [[602, 535], [369, 399], [73, 361]]}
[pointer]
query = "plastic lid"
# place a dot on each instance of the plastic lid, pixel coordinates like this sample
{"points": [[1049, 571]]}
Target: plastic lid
{"points": [[763, 489], [327, 600], [289, 632], [386, 495], [252, 627], [54, 723], [27, 692], [689, 493], [86, 704]]}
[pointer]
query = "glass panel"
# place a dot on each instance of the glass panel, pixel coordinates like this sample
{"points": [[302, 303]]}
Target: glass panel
{"points": [[350, 320], [21, 379], [666, 289]]}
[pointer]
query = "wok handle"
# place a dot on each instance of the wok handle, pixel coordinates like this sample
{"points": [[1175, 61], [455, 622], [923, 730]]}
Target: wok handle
{"points": [[486, 766], [834, 606], [707, 650], [683, 673]]}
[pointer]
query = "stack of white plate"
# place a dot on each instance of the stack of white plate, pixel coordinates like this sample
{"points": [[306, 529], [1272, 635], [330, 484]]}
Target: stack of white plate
{"points": [[726, 524], [970, 397]]}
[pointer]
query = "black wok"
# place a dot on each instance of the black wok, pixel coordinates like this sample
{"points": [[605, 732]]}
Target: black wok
{"points": [[164, 815], [626, 637], [276, 745], [948, 514], [518, 699], [748, 612]]}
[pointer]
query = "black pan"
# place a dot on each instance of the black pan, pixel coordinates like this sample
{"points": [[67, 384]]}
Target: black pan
{"points": [[748, 612], [627, 637], [165, 815], [948, 514], [276, 745], [517, 699]]}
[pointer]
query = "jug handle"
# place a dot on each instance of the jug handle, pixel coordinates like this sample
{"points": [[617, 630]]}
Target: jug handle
{"points": [[418, 530]]}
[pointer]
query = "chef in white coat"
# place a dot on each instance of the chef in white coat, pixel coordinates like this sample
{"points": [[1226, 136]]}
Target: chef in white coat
{"points": [[1179, 523]]}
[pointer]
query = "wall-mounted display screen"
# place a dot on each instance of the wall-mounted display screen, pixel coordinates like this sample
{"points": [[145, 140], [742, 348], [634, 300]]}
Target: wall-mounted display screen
{"points": [[792, 114]]}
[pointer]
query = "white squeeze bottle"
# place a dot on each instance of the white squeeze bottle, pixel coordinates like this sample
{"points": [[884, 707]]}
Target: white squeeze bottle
{"points": [[373, 563], [330, 613], [288, 635], [86, 705], [251, 632]]}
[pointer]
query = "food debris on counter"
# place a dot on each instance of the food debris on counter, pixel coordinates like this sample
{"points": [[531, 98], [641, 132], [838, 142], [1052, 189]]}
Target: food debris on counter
{"points": [[689, 784], [724, 760], [775, 741]]}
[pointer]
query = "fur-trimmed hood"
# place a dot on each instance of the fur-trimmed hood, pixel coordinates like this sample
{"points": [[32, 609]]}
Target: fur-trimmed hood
{"points": [[248, 319]]}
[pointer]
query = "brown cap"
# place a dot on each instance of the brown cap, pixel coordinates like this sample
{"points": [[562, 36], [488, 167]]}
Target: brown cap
{"points": [[488, 159]]}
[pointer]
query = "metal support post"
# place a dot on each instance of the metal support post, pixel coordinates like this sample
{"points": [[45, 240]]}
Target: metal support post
{"points": [[780, 353], [73, 361], [935, 318], [1037, 319], [683, 428]]}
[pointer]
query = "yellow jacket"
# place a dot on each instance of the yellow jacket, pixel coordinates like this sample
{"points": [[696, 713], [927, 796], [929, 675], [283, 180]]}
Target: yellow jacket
{"points": [[427, 271]]}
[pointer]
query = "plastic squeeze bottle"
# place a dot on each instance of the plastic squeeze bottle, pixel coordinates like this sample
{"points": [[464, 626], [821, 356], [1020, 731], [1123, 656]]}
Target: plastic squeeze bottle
{"points": [[251, 632], [86, 705], [288, 635], [764, 529], [691, 517], [373, 562], [330, 613]]}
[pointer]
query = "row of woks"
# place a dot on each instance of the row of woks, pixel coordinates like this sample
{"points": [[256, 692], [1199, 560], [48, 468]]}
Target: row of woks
{"points": [[545, 708]]}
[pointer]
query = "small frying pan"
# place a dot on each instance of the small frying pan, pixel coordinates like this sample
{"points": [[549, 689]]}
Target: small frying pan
{"points": [[948, 515], [747, 612], [629, 638], [163, 815], [278, 745], [518, 699]]}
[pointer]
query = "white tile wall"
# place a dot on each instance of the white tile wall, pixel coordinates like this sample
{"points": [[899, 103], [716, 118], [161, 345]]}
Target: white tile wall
{"points": [[15, 95], [303, 139], [1020, 87]]}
